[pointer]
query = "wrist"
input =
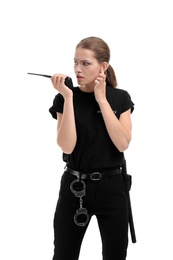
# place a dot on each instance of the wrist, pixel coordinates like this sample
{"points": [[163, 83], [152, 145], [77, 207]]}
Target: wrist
{"points": [[102, 101], [68, 96]]}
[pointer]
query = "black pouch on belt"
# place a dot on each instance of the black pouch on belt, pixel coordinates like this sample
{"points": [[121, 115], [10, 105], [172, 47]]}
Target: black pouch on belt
{"points": [[128, 181]]}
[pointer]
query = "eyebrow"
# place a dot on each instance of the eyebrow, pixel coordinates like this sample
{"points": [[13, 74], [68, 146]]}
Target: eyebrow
{"points": [[82, 60]]}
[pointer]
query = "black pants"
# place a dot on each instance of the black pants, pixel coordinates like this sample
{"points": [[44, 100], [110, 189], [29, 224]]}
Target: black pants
{"points": [[107, 200]]}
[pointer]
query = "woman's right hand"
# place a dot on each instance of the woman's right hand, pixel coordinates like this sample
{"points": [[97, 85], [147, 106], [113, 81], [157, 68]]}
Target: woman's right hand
{"points": [[58, 81]]}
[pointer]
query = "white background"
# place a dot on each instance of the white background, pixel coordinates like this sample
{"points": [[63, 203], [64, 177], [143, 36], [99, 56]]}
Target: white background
{"points": [[40, 36]]}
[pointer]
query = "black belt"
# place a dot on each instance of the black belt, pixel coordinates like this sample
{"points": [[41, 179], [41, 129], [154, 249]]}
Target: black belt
{"points": [[94, 176]]}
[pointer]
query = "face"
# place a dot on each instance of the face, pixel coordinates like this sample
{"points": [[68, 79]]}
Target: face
{"points": [[86, 67]]}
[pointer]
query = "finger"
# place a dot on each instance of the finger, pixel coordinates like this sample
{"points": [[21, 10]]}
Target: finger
{"points": [[102, 70], [97, 81], [100, 78], [102, 73], [56, 78], [53, 79]]}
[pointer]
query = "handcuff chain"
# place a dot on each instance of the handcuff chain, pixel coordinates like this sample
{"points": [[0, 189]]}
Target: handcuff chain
{"points": [[81, 202]]}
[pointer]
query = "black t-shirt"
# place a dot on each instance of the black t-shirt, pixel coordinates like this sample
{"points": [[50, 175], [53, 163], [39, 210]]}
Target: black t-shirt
{"points": [[94, 149]]}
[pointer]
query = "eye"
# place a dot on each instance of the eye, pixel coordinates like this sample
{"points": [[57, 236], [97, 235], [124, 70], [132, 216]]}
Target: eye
{"points": [[75, 63], [86, 63]]}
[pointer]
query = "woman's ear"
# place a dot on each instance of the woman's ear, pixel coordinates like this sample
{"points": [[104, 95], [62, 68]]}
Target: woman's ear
{"points": [[105, 65]]}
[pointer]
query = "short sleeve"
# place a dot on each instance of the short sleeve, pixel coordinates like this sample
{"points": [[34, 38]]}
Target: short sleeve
{"points": [[58, 104], [127, 103]]}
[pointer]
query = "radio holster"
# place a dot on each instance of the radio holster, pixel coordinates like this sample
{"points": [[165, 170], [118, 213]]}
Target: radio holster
{"points": [[128, 183]]}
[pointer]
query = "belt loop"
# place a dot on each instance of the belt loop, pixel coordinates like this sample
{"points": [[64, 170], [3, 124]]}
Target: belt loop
{"points": [[109, 174], [80, 176]]}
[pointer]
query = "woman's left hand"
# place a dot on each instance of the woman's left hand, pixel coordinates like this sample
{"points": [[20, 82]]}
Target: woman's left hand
{"points": [[100, 87]]}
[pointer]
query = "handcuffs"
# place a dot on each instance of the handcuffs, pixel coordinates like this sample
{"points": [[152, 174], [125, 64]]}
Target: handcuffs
{"points": [[81, 211]]}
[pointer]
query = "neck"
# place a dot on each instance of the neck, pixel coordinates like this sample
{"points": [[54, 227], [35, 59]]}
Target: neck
{"points": [[87, 88]]}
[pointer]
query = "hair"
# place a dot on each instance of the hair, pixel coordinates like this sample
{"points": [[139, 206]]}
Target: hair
{"points": [[102, 53]]}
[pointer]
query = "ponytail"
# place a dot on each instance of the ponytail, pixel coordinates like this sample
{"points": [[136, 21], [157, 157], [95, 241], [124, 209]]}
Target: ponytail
{"points": [[111, 77]]}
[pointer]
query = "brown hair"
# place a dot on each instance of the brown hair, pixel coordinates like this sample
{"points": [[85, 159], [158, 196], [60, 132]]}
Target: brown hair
{"points": [[101, 53]]}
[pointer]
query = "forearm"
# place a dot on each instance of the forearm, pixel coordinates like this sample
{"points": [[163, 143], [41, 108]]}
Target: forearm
{"points": [[66, 137], [119, 135]]}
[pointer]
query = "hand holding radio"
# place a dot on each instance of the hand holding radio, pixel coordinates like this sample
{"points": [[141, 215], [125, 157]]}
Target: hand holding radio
{"points": [[60, 82]]}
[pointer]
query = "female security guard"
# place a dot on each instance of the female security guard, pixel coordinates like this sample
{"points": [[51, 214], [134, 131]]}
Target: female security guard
{"points": [[94, 130]]}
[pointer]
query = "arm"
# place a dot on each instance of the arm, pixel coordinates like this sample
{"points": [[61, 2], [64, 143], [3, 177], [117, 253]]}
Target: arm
{"points": [[66, 129], [66, 132], [118, 130]]}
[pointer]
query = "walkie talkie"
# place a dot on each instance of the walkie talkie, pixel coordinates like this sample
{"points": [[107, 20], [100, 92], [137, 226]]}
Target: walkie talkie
{"points": [[68, 80]]}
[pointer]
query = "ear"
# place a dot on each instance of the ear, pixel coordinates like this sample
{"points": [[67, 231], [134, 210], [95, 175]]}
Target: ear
{"points": [[105, 65]]}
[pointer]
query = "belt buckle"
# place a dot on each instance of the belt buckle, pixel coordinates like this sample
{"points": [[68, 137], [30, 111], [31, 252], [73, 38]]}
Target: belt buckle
{"points": [[95, 176]]}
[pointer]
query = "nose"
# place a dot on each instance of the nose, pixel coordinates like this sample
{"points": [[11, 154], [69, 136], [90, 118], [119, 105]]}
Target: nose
{"points": [[77, 68]]}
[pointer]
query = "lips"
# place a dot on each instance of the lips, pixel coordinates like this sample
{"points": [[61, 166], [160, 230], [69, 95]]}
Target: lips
{"points": [[79, 77]]}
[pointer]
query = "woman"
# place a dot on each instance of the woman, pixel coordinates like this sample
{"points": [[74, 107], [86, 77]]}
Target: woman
{"points": [[94, 130]]}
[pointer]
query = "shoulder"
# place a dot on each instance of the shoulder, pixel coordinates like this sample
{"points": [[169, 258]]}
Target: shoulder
{"points": [[117, 93], [119, 98], [57, 105]]}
